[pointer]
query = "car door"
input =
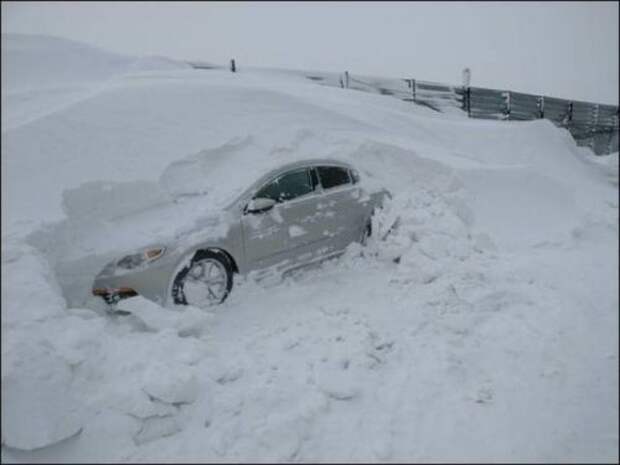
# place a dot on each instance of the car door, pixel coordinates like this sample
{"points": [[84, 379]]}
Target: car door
{"points": [[342, 206], [282, 235]]}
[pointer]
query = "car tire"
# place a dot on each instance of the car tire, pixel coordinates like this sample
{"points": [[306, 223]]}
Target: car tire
{"points": [[187, 287]]}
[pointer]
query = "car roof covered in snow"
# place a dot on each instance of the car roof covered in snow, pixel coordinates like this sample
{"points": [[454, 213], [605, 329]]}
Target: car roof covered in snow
{"points": [[227, 172]]}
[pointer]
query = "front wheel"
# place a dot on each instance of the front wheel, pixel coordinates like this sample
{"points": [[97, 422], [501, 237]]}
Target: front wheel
{"points": [[206, 281]]}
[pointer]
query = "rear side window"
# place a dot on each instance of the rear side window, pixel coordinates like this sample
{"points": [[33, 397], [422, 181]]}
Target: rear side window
{"points": [[333, 176]]}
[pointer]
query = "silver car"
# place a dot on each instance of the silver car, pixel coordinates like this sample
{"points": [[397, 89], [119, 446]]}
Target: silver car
{"points": [[297, 214]]}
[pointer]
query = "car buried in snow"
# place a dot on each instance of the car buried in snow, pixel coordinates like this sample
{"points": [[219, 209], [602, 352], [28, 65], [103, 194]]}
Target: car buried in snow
{"points": [[295, 215]]}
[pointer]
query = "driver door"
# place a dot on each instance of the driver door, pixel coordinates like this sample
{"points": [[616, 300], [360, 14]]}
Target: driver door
{"points": [[283, 233]]}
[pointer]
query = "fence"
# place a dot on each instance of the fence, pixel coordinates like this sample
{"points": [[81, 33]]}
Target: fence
{"points": [[591, 124]]}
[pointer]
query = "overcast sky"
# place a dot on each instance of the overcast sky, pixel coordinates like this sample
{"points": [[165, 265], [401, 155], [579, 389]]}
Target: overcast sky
{"points": [[562, 49]]}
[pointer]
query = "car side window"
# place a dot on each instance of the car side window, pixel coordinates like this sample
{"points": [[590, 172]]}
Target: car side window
{"points": [[333, 176], [288, 186]]}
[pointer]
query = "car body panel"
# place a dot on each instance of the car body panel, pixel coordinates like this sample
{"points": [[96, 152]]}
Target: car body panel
{"points": [[341, 212], [263, 236]]}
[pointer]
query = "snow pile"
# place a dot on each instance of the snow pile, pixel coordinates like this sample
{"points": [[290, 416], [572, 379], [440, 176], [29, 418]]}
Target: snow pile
{"points": [[39, 62], [39, 404], [62, 366], [482, 313], [609, 165]]}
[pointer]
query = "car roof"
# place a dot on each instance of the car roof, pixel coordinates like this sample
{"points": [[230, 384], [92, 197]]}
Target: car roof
{"points": [[307, 163]]}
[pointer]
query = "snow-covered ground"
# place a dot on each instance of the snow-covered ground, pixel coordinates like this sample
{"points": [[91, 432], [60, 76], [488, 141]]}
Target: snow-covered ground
{"points": [[493, 337]]}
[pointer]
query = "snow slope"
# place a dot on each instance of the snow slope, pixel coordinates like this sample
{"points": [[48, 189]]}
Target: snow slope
{"points": [[493, 336], [41, 74]]}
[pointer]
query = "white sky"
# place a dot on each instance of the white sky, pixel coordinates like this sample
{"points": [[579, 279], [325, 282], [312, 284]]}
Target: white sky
{"points": [[564, 49]]}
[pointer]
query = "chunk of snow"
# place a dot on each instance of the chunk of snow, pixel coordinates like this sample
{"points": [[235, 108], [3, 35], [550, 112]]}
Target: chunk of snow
{"points": [[296, 231], [155, 428], [171, 383], [186, 320], [39, 404], [26, 273]]}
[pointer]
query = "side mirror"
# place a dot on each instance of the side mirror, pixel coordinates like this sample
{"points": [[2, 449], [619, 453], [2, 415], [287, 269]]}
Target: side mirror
{"points": [[259, 205]]}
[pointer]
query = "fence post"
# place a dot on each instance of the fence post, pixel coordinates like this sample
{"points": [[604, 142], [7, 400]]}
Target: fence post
{"points": [[233, 68], [596, 113], [569, 115], [541, 106], [346, 79], [594, 129], [507, 105], [613, 133], [466, 91], [413, 89], [467, 100]]}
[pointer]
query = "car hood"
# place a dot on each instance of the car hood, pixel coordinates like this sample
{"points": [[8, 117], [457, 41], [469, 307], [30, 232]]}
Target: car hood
{"points": [[79, 247], [169, 223]]}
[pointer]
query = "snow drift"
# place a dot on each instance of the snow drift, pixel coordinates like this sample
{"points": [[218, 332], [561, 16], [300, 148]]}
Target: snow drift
{"points": [[41, 74]]}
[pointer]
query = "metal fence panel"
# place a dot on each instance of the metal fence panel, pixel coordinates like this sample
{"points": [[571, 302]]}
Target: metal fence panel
{"points": [[590, 124]]}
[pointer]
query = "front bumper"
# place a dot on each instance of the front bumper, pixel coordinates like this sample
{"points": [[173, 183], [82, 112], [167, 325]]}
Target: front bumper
{"points": [[151, 282], [112, 295]]}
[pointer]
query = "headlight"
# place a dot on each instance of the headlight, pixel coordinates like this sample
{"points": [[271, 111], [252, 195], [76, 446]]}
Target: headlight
{"points": [[132, 261]]}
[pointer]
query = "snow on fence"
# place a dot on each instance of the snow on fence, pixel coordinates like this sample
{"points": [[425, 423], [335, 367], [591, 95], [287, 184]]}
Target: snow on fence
{"points": [[591, 124]]}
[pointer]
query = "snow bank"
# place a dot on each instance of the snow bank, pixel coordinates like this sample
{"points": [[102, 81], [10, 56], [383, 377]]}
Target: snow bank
{"points": [[60, 367], [39, 404], [156, 63], [609, 165], [43, 74], [36, 62], [27, 273]]}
